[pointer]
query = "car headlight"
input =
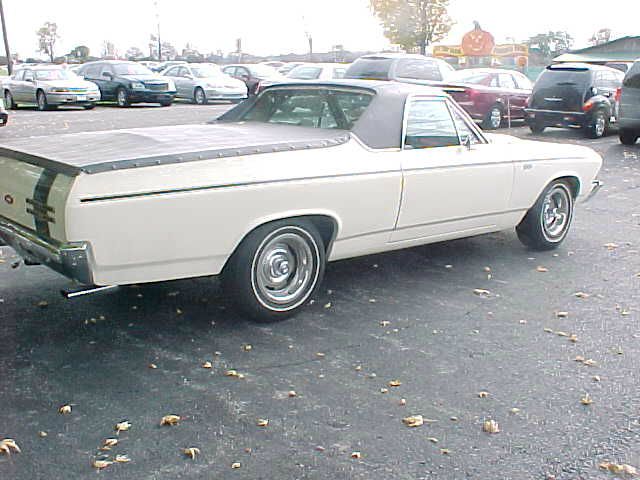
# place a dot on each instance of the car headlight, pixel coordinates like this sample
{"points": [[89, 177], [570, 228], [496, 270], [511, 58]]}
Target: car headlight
{"points": [[59, 90], [137, 85], [171, 85]]}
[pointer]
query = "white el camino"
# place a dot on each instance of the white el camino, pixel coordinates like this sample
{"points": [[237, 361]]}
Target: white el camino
{"points": [[268, 193]]}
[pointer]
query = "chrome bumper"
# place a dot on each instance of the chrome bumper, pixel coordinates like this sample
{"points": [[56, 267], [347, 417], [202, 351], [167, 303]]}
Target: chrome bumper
{"points": [[71, 260], [596, 185]]}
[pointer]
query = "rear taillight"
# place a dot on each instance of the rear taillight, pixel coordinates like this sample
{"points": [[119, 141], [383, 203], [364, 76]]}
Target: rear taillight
{"points": [[472, 93], [618, 94], [587, 106]]}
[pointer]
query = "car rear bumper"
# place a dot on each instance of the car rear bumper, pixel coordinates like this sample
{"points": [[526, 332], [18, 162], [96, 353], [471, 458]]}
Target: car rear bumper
{"points": [[72, 260], [552, 118], [217, 94]]}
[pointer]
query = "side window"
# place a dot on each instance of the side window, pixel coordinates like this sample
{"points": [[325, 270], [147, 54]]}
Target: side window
{"points": [[172, 72], [105, 68], [600, 81], [242, 72], [632, 79], [429, 124], [523, 82], [229, 71], [92, 71], [19, 75], [182, 72], [506, 81], [494, 81], [28, 75], [339, 72], [464, 130]]}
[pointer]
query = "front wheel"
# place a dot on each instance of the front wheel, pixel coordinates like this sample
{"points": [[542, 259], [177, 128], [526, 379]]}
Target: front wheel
{"points": [[41, 100], [493, 118], [628, 137], [199, 96], [547, 223], [598, 126], [276, 268], [166, 103], [8, 101]]}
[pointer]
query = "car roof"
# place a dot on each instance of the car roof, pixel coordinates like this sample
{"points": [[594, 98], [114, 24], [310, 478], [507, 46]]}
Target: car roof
{"points": [[487, 70], [378, 86], [395, 55]]}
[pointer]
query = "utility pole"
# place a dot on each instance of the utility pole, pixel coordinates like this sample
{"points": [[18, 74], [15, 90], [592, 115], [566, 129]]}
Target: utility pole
{"points": [[6, 40]]}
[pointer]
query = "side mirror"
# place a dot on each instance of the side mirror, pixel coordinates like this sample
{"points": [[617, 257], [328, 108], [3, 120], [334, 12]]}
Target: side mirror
{"points": [[188, 77], [30, 80], [108, 75]]}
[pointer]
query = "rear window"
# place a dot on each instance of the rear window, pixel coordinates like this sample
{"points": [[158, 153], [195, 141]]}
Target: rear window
{"points": [[418, 69], [317, 108], [304, 72], [566, 78], [375, 68], [632, 79]]}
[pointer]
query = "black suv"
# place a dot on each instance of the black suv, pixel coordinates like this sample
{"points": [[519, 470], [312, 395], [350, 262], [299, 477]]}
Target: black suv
{"points": [[575, 95], [129, 82], [630, 106]]}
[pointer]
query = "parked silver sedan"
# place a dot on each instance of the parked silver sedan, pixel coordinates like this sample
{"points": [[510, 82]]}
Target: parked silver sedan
{"points": [[202, 82], [48, 87]]}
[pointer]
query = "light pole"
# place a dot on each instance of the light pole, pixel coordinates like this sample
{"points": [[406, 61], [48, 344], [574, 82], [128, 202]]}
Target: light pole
{"points": [[155, 4], [6, 40]]}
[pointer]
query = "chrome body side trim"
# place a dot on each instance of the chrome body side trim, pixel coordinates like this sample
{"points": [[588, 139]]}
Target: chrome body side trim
{"points": [[71, 259]]}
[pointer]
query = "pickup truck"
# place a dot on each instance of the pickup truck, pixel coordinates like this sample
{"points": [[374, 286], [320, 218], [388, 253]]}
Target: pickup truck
{"points": [[302, 174]]}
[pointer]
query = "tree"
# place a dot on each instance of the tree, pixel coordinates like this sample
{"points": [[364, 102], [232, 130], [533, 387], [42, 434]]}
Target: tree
{"points": [[134, 53], [413, 23], [109, 49], [550, 44], [601, 36], [47, 37]]}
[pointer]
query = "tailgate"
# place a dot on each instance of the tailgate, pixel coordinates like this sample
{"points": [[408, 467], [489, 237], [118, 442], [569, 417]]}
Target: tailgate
{"points": [[34, 198]]}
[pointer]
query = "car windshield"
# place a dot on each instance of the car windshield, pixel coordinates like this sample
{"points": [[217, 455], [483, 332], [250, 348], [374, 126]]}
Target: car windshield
{"points": [[206, 71], [375, 68], [305, 72], [263, 71], [317, 108], [54, 74], [469, 77], [131, 69]]}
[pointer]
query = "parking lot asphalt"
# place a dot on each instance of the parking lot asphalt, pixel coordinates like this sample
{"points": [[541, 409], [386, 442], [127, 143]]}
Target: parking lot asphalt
{"points": [[137, 354]]}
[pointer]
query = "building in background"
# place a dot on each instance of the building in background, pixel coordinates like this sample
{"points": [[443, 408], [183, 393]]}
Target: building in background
{"points": [[621, 50], [478, 49]]}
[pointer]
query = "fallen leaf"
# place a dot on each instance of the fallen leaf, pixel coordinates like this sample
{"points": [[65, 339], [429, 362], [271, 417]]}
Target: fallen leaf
{"points": [[619, 468], [481, 292], [483, 394], [123, 426], [403, 402], [445, 451], [170, 420], [579, 358], [586, 400], [292, 393], [327, 305], [233, 373], [247, 347], [191, 452], [413, 421], [562, 314], [487, 269], [320, 355], [573, 338], [320, 448], [235, 465], [590, 363], [491, 426], [65, 409], [110, 442], [8, 445], [385, 323], [542, 269], [100, 464], [358, 368], [548, 330], [515, 410], [153, 366], [384, 390], [395, 383], [43, 304], [263, 422], [562, 334], [582, 295], [611, 246], [207, 365], [432, 439], [42, 434], [122, 459], [356, 455]]}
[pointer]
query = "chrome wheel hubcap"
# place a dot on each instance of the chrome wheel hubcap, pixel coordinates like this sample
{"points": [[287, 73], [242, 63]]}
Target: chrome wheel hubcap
{"points": [[199, 96], [285, 269], [122, 97], [600, 125], [496, 118], [556, 212]]}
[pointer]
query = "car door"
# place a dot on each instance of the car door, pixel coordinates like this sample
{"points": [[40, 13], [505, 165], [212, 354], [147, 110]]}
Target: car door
{"points": [[174, 74], [14, 84], [27, 87], [108, 79], [186, 82], [630, 98], [449, 190], [91, 73]]}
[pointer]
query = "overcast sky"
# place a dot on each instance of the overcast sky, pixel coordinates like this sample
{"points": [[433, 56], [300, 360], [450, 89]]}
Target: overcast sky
{"points": [[278, 26]]}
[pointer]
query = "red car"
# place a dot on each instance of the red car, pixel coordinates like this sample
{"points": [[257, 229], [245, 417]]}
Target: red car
{"points": [[489, 95]]}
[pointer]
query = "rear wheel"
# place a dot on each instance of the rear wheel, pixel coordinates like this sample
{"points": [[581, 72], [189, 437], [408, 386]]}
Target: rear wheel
{"points": [[629, 137], [275, 269], [493, 118], [89, 107], [122, 97], [598, 126], [547, 223], [537, 129], [8, 100], [166, 103], [199, 96]]}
